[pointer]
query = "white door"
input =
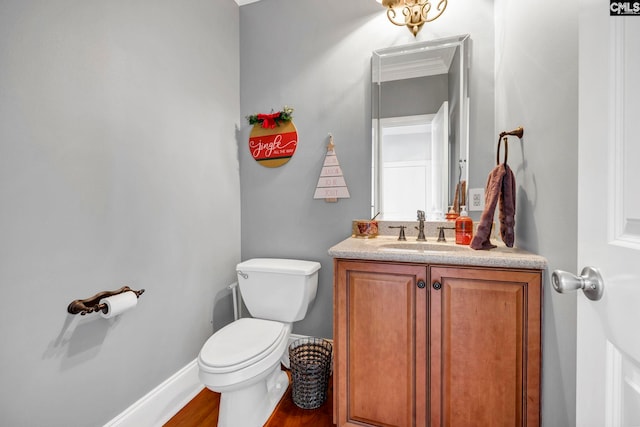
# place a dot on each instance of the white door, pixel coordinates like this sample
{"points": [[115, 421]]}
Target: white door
{"points": [[608, 343], [439, 163]]}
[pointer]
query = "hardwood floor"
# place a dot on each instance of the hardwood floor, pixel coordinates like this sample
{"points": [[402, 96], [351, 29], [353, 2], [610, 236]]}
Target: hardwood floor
{"points": [[202, 411]]}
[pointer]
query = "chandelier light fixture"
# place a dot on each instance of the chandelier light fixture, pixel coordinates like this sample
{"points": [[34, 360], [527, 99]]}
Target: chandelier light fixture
{"points": [[413, 13]]}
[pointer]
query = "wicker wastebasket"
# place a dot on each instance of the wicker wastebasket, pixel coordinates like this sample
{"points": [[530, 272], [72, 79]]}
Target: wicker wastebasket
{"points": [[310, 360]]}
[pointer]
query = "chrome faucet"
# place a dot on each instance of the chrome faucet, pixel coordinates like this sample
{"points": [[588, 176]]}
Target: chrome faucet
{"points": [[420, 227]]}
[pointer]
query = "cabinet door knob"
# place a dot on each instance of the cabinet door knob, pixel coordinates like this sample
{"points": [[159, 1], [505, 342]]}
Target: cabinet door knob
{"points": [[437, 286], [421, 284]]}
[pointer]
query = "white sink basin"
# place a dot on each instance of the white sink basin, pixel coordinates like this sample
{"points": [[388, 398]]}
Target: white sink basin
{"points": [[423, 247]]}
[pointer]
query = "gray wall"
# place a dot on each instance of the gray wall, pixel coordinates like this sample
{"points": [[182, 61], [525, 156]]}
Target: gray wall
{"points": [[409, 97], [315, 57], [120, 143], [537, 87], [118, 165]]}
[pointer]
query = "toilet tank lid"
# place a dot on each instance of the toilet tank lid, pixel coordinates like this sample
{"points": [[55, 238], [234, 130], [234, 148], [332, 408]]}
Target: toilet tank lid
{"points": [[279, 265]]}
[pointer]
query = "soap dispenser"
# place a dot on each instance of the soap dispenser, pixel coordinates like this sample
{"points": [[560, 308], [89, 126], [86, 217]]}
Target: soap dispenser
{"points": [[464, 227], [451, 215]]}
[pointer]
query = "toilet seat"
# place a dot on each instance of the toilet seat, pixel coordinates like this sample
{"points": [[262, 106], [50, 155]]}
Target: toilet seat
{"points": [[240, 344]]}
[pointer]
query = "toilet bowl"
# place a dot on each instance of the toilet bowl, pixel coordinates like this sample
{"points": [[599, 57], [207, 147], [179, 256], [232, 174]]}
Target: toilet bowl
{"points": [[242, 360]]}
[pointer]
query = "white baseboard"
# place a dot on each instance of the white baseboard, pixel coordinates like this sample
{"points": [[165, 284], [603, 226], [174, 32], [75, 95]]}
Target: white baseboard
{"points": [[163, 402]]}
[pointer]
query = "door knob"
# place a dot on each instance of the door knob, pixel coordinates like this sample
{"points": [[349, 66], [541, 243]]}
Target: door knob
{"points": [[590, 281]]}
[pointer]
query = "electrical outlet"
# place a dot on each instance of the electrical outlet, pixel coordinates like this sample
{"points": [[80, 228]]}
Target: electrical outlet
{"points": [[476, 199]]}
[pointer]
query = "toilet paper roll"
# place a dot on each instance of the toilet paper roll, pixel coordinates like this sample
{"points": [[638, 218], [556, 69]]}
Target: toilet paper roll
{"points": [[118, 304]]}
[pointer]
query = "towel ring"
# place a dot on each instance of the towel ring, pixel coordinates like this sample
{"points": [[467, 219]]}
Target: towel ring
{"points": [[506, 150], [519, 131]]}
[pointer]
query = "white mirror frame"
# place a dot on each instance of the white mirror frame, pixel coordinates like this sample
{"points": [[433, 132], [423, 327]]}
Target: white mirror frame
{"points": [[416, 60]]}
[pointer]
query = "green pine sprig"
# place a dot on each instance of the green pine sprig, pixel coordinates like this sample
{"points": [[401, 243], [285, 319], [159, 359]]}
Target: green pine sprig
{"points": [[285, 115]]}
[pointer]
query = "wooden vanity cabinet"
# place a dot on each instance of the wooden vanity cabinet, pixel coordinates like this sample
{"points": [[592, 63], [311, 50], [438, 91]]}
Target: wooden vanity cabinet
{"points": [[485, 346], [379, 362], [419, 345]]}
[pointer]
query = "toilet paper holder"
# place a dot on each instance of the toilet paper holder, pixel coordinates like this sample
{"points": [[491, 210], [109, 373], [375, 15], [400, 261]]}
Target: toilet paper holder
{"points": [[92, 304]]}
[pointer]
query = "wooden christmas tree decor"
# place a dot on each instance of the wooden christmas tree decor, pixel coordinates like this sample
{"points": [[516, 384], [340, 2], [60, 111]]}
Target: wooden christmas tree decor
{"points": [[331, 184]]}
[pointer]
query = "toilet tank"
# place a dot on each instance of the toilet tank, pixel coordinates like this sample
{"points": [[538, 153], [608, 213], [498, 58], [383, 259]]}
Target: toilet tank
{"points": [[278, 289]]}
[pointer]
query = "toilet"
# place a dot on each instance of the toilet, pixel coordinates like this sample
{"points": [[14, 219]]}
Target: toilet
{"points": [[242, 360]]}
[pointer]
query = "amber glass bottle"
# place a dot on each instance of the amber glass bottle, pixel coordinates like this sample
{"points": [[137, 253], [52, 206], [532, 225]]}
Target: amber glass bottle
{"points": [[464, 227]]}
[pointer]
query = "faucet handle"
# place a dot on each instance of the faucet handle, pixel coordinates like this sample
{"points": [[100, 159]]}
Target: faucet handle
{"points": [[420, 215], [401, 227], [441, 233]]}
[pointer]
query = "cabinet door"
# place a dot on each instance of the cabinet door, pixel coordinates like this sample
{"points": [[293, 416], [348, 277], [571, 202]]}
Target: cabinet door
{"points": [[485, 347], [379, 309]]}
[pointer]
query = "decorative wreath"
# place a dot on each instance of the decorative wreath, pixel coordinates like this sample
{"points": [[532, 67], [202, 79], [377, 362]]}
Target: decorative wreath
{"points": [[272, 120]]}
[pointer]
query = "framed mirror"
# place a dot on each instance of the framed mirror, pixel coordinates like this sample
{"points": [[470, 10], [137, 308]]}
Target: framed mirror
{"points": [[420, 127]]}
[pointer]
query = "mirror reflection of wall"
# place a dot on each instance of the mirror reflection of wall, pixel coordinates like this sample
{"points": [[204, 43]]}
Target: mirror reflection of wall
{"points": [[419, 127]]}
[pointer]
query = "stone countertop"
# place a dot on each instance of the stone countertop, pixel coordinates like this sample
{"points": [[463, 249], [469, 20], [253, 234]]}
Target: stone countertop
{"points": [[382, 248]]}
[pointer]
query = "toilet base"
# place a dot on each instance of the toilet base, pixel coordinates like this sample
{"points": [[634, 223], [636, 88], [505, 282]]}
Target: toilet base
{"points": [[252, 406]]}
